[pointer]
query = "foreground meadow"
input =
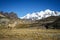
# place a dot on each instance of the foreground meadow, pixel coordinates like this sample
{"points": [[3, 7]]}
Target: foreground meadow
{"points": [[29, 34]]}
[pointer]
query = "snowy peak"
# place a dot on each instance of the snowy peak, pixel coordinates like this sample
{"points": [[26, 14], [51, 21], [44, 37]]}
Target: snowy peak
{"points": [[40, 15]]}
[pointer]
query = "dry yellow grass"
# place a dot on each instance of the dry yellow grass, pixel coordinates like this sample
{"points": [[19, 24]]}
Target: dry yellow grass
{"points": [[29, 34]]}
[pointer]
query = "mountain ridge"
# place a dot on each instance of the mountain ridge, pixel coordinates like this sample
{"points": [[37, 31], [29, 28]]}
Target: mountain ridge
{"points": [[10, 20], [41, 14]]}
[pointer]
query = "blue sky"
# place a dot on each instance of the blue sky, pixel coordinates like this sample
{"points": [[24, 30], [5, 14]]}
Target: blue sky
{"points": [[22, 7]]}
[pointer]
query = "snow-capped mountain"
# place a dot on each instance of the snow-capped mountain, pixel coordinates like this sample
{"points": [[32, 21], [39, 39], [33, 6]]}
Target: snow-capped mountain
{"points": [[41, 14]]}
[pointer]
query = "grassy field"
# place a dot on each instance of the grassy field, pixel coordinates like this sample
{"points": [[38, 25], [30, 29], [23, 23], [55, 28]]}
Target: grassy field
{"points": [[29, 34]]}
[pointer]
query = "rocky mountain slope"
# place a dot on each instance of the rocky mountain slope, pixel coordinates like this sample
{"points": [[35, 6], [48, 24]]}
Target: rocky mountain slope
{"points": [[52, 22], [11, 20], [8, 19]]}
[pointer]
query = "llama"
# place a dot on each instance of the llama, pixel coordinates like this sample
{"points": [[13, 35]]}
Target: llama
{"points": [[12, 25]]}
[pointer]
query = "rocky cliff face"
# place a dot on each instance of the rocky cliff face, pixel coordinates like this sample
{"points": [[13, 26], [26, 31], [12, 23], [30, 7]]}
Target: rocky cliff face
{"points": [[10, 15], [8, 19]]}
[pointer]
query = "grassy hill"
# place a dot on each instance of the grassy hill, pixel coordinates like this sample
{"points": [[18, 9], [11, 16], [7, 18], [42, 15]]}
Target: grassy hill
{"points": [[29, 34]]}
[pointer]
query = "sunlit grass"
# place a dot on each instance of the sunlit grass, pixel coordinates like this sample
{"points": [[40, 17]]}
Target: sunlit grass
{"points": [[29, 34]]}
